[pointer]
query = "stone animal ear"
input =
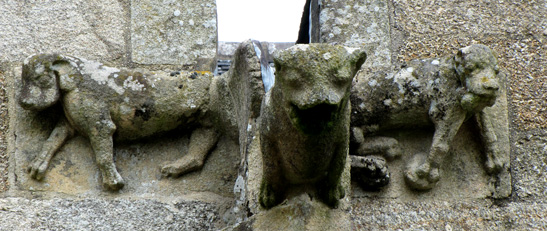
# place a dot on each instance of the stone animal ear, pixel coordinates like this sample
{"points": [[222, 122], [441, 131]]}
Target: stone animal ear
{"points": [[357, 58], [65, 72], [40, 88], [458, 65], [278, 62]]}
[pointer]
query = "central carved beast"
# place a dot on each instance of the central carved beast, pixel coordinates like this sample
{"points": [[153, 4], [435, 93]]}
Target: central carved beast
{"points": [[305, 121]]}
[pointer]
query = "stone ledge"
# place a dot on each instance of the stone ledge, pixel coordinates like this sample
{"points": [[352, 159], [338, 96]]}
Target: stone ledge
{"points": [[373, 214], [101, 214], [18, 213]]}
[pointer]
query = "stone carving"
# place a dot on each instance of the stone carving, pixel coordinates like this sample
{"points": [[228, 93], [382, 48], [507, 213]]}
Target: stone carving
{"points": [[370, 172], [106, 104], [441, 92], [305, 121]]}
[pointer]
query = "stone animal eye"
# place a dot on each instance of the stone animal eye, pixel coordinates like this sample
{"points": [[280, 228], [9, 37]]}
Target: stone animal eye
{"points": [[339, 77], [291, 77], [45, 80]]}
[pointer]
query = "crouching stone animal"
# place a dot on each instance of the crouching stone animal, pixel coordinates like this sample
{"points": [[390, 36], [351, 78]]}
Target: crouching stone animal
{"points": [[440, 92], [106, 104], [304, 128]]}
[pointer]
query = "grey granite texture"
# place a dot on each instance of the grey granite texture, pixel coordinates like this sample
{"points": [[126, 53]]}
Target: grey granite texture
{"points": [[4, 120], [515, 29], [530, 166], [173, 32], [359, 24], [91, 29], [105, 214], [373, 214]]}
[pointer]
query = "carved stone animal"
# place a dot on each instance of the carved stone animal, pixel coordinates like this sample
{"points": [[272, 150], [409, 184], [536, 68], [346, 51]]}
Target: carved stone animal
{"points": [[431, 92], [106, 104], [304, 128]]}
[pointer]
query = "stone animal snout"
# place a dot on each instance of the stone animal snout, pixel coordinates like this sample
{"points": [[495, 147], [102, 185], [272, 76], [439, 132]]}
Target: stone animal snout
{"points": [[318, 115]]}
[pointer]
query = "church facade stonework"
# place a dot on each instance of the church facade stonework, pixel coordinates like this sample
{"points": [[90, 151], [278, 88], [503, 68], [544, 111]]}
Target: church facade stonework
{"points": [[406, 115]]}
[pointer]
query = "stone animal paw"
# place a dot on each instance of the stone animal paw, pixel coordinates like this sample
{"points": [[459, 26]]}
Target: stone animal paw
{"points": [[420, 175], [393, 152], [332, 195], [37, 169], [370, 172], [114, 182], [267, 197], [493, 165], [171, 170], [184, 165]]}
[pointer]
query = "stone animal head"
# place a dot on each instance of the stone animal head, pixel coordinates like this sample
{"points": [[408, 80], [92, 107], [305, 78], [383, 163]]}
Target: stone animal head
{"points": [[41, 87], [315, 80], [478, 69]]}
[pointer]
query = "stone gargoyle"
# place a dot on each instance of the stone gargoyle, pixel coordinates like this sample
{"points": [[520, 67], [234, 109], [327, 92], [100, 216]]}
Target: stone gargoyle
{"points": [[304, 128], [106, 104], [428, 92]]}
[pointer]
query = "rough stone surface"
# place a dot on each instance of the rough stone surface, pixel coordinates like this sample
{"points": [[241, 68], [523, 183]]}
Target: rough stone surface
{"points": [[173, 32], [357, 23], [447, 215], [4, 126], [303, 213], [91, 29], [106, 214], [514, 29], [529, 166]]}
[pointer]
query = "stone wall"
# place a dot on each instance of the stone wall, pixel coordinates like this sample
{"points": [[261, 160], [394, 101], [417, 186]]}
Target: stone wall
{"points": [[147, 34]]}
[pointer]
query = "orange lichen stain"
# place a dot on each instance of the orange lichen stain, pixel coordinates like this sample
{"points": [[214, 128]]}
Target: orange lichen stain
{"points": [[203, 72]]}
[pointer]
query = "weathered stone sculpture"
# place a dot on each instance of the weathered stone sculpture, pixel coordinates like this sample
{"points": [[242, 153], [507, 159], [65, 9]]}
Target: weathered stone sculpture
{"points": [[370, 172], [440, 92], [305, 121], [106, 104]]}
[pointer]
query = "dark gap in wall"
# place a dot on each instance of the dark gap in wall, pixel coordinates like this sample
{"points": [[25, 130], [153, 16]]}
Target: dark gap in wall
{"points": [[309, 24]]}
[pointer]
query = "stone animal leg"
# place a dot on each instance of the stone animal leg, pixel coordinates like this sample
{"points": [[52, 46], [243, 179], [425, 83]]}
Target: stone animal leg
{"points": [[271, 190], [202, 141], [387, 146], [62, 132], [331, 190], [101, 141], [494, 163], [424, 175]]}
